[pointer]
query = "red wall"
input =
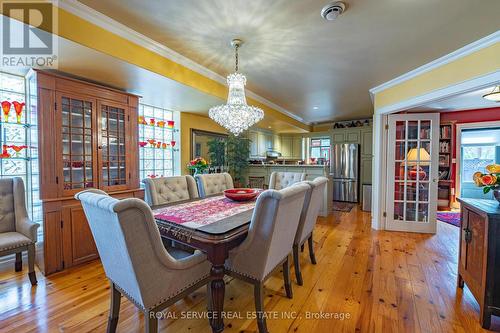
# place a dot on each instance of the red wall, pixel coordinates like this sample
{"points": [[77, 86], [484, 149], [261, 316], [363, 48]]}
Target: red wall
{"points": [[472, 116]]}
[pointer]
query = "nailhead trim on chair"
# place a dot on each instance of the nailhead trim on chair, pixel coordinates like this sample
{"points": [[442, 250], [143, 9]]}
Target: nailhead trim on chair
{"points": [[133, 300], [16, 246]]}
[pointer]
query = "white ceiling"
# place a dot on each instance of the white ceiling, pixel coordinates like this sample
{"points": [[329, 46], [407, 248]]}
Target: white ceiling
{"points": [[296, 59], [466, 101]]}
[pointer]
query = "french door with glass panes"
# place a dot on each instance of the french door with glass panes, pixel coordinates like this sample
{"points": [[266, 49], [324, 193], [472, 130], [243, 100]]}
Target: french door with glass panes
{"points": [[93, 144], [412, 161]]}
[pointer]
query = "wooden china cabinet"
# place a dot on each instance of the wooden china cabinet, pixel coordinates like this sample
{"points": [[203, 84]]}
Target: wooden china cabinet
{"points": [[87, 139]]}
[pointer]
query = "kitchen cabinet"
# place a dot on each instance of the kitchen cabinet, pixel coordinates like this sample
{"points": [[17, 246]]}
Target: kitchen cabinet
{"points": [[479, 255], [367, 142], [286, 147], [87, 139], [366, 170], [291, 147], [260, 143], [277, 143], [346, 135], [297, 148], [253, 136]]}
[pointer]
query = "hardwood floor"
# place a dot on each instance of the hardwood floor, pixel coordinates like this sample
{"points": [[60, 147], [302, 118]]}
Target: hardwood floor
{"points": [[378, 281]]}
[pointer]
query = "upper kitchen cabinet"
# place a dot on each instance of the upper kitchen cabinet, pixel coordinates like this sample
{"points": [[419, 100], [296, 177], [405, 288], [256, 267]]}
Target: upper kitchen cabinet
{"points": [[346, 135], [291, 147], [260, 143], [253, 136]]}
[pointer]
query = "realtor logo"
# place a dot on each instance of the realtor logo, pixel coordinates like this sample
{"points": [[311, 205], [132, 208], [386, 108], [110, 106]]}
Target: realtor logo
{"points": [[29, 34]]}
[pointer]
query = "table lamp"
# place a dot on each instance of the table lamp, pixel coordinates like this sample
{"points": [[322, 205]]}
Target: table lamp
{"points": [[412, 160]]}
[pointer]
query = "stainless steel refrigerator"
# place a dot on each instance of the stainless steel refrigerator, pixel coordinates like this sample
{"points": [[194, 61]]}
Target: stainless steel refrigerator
{"points": [[344, 169]]}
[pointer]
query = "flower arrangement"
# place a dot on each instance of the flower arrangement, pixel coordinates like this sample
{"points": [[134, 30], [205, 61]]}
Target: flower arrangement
{"points": [[489, 181], [198, 165]]}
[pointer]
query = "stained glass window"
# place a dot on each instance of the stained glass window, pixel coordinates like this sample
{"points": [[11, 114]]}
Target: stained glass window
{"points": [[158, 145], [19, 138]]}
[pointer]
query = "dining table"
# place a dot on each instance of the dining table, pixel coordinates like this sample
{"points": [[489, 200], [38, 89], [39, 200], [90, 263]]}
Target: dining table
{"points": [[213, 225]]}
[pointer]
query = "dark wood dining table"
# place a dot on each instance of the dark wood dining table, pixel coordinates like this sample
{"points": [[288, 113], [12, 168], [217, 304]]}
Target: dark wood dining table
{"points": [[215, 240]]}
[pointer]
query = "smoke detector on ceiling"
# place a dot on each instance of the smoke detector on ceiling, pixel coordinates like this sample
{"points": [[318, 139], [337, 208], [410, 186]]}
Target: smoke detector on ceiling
{"points": [[331, 11]]}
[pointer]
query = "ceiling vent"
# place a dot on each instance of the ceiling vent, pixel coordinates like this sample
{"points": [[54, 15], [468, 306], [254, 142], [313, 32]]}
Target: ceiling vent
{"points": [[331, 11]]}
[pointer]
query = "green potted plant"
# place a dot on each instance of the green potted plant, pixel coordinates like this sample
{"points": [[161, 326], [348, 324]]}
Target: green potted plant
{"points": [[217, 153], [238, 150]]}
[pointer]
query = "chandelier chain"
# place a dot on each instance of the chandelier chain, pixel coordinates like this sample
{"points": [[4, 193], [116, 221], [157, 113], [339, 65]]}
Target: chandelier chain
{"points": [[236, 56]]}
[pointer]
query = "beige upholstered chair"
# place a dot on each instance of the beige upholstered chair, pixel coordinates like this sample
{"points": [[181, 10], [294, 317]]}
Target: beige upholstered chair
{"points": [[269, 242], [165, 190], [17, 231], [213, 183], [281, 180], [308, 217], [134, 259]]}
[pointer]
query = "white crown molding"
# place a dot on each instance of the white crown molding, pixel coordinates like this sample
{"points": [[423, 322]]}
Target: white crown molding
{"points": [[480, 82], [455, 55], [79, 9]]}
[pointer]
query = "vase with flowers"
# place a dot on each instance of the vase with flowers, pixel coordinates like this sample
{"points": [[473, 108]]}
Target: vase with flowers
{"points": [[489, 181], [197, 165]]}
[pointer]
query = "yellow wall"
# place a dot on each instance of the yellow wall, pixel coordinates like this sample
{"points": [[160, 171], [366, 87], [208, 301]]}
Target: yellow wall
{"points": [[191, 121], [477, 64]]}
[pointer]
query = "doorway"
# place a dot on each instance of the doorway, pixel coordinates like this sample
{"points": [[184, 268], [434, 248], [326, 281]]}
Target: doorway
{"points": [[479, 146]]}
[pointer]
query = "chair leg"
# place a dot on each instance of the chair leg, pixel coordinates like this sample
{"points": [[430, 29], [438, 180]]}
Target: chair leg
{"points": [[311, 249], [31, 264], [286, 278], [114, 309], [259, 306], [19, 262], [296, 263], [150, 322]]}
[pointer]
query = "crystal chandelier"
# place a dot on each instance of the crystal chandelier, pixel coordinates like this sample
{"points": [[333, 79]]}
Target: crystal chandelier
{"points": [[236, 116]]}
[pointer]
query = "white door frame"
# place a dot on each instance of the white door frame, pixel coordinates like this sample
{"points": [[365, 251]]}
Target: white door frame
{"points": [[458, 140], [379, 177]]}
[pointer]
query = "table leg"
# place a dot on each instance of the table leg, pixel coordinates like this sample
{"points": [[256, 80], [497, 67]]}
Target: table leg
{"points": [[218, 287]]}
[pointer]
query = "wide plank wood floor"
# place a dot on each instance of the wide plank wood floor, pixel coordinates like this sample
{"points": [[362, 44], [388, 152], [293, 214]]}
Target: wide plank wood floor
{"points": [[375, 281]]}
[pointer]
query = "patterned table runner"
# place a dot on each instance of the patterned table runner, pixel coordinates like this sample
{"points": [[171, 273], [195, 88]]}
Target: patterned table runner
{"points": [[199, 213]]}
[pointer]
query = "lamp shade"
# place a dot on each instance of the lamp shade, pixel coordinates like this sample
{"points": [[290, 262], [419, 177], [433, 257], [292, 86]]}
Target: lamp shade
{"points": [[413, 157]]}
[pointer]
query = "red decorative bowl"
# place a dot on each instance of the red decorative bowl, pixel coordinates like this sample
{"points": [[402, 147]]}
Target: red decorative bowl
{"points": [[241, 194]]}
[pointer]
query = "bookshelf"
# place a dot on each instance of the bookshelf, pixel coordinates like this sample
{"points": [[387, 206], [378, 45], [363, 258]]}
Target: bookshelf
{"points": [[445, 178]]}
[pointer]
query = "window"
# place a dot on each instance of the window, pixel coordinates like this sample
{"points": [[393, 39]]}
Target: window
{"points": [[19, 138], [157, 142], [320, 148], [476, 158]]}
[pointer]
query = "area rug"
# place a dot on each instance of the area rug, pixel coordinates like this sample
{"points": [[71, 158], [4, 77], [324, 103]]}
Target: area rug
{"points": [[452, 218], [345, 207]]}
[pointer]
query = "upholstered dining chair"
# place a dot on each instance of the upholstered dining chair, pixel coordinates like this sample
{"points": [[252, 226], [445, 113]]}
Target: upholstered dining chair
{"points": [[213, 183], [281, 180], [269, 242], [134, 259], [308, 218], [166, 190], [17, 231]]}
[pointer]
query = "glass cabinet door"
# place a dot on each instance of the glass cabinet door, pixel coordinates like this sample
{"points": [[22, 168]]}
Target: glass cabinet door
{"points": [[412, 172], [113, 164], [77, 123]]}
